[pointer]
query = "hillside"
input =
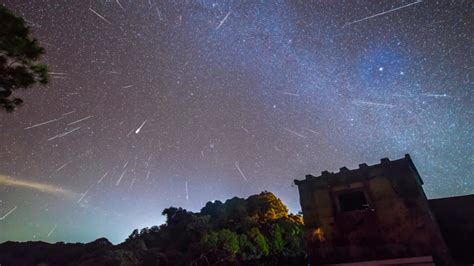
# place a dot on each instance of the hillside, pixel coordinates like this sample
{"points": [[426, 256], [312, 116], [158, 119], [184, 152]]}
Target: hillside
{"points": [[253, 231]]}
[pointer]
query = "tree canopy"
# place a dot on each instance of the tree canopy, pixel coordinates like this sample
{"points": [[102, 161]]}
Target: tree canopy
{"points": [[19, 59], [253, 231]]}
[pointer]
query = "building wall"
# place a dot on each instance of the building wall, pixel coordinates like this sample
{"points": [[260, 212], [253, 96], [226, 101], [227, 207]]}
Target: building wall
{"points": [[396, 224], [455, 217]]}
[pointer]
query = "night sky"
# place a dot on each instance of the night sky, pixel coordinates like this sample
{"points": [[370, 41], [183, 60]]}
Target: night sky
{"points": [[154, 104]]}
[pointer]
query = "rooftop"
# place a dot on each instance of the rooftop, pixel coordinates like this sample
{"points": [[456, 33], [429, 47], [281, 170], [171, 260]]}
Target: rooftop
{"points": [[363, 172]]}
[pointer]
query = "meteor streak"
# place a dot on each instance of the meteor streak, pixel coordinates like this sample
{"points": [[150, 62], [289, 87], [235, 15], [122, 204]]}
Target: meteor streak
{"points": [[8, 213], [147, 175], [187, 193], [42, 123], [100, 16], [120, 5], [120, 178], [140, 127], [223, 20], [295, 133], [80, 120], [100, 180], [64, 134], [240, 171], [52, 230], [68, 113], [383, 13], [291, 94]]}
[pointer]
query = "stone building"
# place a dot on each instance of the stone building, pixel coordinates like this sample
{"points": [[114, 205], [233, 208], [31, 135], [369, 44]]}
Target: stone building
{"points": [[373, 215]]}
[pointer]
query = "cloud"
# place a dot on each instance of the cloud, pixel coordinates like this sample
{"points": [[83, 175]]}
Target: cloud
{"points": [[42, 187]]}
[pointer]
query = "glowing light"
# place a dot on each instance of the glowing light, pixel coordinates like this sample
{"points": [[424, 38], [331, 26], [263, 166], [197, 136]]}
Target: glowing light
{"points": [[42, 187]]}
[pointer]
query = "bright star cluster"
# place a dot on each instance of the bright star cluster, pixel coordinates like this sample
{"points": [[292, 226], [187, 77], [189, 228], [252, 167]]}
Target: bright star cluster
{"points": [[154, 104]]}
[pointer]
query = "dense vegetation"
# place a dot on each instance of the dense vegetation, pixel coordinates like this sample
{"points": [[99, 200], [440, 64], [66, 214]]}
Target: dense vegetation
{"points": [[253, 231]]}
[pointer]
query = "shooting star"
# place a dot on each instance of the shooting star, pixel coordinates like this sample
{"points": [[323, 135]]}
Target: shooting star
{"points": [[140, 127], [130, 133], [52, 230], [148, 162], [100, 180], [64, 134], [121, 176], [48, 44], [159, 13], [120, 5], [312, 131], [383, 13], [291, 94], [240, 171], [127, 86], [100, 16], [402, 95], [80, 120], [133, 182], [436, 95], [59, 77], [186, 186], [68, 113], [294, 133], [223, 20], [57, 73], [244, 129], [8, 213], [34, 24], [83, 195], [43, 123], [64, 165], [147, 175], [374, 103]]}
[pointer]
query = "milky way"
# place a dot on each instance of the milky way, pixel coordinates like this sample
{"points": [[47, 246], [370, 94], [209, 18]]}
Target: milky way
{"points": [[154, 104]]}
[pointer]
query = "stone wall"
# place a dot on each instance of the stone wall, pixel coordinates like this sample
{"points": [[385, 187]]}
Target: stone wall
{"points": [[392, 221]]}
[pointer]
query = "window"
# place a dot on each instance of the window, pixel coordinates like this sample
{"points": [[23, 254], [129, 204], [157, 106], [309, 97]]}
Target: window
{"points": [[353, 201]]}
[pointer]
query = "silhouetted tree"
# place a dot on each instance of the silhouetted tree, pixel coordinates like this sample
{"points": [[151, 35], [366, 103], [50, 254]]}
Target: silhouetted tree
{"points": [[19, 55]]}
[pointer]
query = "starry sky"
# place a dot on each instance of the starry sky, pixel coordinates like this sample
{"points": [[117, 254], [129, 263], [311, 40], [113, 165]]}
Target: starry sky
{"points": [[154, 104]]}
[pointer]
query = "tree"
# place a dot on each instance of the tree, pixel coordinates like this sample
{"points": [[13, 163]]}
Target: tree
{"points": [[253, 231], [229, 241], [266, 206], [133, 235], [19, 59], [260, 241], [278, 243]]}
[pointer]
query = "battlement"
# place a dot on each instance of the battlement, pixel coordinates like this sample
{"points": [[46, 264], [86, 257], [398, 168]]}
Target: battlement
{"points": [[363, 172]]}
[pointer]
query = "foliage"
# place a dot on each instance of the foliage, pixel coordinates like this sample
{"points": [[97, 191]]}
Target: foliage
{"points": [[260, 241], [253, 231], [19, 55]]}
